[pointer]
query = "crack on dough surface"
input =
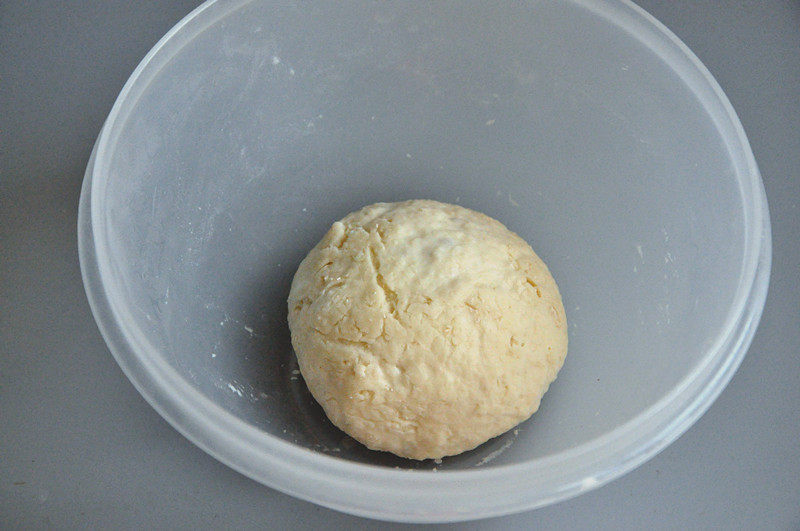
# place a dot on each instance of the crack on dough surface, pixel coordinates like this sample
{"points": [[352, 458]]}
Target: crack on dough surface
{"points": [[342, 341], [388, 294]]}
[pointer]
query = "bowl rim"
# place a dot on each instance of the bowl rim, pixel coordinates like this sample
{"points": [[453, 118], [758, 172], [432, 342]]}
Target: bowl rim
{"points": [[365, 489]]}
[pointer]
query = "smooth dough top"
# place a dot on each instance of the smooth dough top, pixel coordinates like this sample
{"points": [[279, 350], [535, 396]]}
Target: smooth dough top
{"points": [[425, 329]]}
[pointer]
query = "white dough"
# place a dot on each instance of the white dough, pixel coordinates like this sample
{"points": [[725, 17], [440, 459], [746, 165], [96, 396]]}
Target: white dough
{"points": [[425, 329]]}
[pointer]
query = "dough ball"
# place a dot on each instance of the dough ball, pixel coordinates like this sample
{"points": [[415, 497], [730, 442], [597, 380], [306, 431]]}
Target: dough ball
{"points": [[425, 329]]}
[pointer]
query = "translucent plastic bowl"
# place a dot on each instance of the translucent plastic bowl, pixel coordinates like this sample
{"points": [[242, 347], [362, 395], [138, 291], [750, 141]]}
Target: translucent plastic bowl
{"points": [[585, 126]]}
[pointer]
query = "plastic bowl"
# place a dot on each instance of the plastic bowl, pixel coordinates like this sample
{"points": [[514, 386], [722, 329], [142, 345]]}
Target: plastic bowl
{"points": [[585, 126]]}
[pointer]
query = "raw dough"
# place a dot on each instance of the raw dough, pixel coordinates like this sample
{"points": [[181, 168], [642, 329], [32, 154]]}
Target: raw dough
{"points": [[425, 329]]}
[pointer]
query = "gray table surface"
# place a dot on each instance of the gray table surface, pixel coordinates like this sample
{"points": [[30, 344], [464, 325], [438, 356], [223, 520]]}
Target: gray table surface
{"points": [[80, 448]]}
